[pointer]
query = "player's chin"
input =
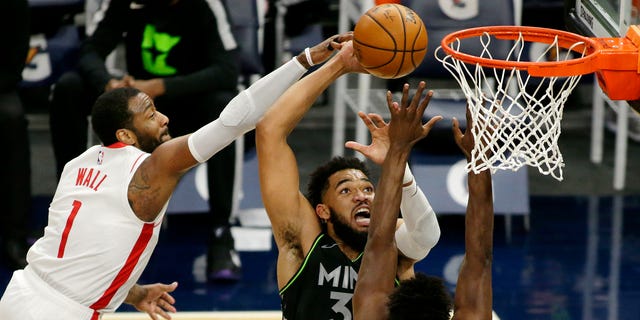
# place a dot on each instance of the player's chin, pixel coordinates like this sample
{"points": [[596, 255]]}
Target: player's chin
{"points": [[361, 226]]}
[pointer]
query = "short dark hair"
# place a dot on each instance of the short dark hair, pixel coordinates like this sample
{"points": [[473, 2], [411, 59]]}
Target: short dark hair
{"points": [[422, 297], [319, 179], [111, 112]]}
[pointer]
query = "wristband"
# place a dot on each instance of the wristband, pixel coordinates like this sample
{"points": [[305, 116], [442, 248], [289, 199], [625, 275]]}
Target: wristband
{"points": [[307, 53]]}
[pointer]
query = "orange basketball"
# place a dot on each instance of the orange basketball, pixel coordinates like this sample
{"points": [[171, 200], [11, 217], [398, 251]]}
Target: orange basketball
{"points": [[390, 41]]}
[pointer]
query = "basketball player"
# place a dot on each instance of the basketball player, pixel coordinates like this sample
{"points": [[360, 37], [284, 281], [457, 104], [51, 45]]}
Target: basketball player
{"points": [[106, 213], [320, 237], [375, 297]]}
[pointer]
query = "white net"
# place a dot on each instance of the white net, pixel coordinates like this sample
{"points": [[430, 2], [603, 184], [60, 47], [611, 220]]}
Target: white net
{"points": [[516, 117]]}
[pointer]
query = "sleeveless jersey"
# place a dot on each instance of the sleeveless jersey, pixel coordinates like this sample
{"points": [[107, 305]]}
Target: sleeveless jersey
{"points": [[323, 286], [94, 247]]}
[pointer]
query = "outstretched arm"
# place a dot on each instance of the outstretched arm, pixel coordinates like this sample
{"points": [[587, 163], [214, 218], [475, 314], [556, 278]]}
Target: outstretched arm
{"points": [[158, 175], [293, 220], [418, 231], [378, 269], [473, 297]]}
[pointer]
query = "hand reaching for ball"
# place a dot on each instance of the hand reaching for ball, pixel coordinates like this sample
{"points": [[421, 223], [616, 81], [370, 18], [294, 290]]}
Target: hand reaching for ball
{"points": [[349, 59], [325, 49]]}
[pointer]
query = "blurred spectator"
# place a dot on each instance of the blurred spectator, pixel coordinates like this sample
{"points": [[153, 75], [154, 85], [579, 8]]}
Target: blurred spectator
{"points": [[175, 53], [15, 172]]}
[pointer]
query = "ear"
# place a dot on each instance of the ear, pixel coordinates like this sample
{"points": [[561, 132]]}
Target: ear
{"points": [[126, 136], [323, 212]]}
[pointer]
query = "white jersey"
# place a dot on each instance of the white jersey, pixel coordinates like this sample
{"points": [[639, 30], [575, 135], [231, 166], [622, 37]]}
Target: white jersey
{"points": [[95, 248]]}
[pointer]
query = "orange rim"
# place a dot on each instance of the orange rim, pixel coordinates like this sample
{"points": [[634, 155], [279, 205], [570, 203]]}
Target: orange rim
{"points": [[566, 40]]}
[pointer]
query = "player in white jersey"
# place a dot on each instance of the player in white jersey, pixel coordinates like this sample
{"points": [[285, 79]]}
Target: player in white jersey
{"points": [[106, 213]]}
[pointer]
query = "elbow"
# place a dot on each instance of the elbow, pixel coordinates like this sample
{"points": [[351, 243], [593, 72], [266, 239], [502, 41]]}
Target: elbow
{"points": [[416, 245]]}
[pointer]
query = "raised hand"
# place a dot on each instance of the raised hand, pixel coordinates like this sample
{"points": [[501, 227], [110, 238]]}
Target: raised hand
{"points": [[379, 130], [325, 49], [465, 141], [349, 60], [406, 128]]}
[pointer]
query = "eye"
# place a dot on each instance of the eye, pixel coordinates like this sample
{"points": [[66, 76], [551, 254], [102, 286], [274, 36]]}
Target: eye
{"points": [[368, 189], [344, 191], [152, 115]]}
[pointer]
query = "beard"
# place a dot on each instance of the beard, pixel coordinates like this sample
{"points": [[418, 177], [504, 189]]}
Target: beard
{"points": [[353, 238], [148, 144]]}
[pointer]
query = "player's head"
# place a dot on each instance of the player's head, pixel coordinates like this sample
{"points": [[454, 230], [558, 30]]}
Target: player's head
{"points": [[129, 115], [420, 298], [341, 193]]}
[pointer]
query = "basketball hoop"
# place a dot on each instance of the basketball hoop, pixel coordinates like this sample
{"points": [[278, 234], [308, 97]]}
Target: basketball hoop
{"points": [[516, 99]]}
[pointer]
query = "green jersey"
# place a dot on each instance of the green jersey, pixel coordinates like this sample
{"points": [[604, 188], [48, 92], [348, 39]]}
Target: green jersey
{"points": [[323, 286]]}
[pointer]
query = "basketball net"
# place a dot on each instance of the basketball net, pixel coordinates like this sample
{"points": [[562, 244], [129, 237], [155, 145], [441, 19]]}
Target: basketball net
{"points": [[516, 117]]}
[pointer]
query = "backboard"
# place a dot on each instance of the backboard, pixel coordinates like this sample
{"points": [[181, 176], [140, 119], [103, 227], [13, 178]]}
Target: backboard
{"points": [[602, 18]]}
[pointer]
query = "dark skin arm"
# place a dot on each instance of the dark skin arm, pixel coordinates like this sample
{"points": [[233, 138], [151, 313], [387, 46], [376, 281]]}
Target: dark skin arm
{"points": [[380, 259], [473, 296]]}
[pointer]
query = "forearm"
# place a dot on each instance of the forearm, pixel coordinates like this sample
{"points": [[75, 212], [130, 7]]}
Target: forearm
{"points": [[479, 219], [295, 103], [420, 231], [381, 257], [388, 196], [244, 111]]}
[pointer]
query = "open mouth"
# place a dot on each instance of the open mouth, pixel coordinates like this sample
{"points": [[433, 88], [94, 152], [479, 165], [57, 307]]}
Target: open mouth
{"points": [[362, 217]]}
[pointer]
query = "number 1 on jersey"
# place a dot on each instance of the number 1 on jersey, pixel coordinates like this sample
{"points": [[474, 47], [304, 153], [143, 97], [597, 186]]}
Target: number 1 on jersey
{"points": [[67, 228]]}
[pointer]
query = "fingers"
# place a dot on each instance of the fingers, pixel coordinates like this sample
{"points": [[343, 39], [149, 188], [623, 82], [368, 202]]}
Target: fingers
{"points": [[169, 298], [377, 119], [367, 121], [354, 146], [457, 134], [432, 122], [167, 306], [342, 37], [405, 95], [164, 314], [468, 115], [336, 41], [171, 287], [425, 102], [393, 106], [389, 100], [416, 97], [164, 305]]}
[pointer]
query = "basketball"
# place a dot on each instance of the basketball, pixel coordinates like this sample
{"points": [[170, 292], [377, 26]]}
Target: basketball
{"points": [[390, 41]]}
